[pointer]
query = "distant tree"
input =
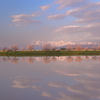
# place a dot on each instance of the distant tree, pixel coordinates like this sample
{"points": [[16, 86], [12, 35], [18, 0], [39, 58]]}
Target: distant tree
{"points": [[15, 47], [98, 48], [86, 49], [23, 49], [94, 48], [4, 48], [30, 47], [69, 48], [53, 48], [78, 47], [8, 49], [62, 48], [46, 47]]}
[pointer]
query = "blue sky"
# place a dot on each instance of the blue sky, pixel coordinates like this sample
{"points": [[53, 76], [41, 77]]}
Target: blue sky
{"points": [[25, 21]]}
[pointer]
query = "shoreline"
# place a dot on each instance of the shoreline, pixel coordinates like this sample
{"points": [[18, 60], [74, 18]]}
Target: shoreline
{"points": [[48, 53]]}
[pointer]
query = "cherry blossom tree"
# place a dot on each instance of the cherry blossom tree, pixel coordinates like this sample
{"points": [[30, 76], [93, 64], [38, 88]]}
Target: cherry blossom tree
{"points": [[53, 48], [86, 49], [98, 47], [30, 47], [4, 48], [94, 48], [46, 47], [23, 49], [78, 47], [69, 47], [15, 47]]}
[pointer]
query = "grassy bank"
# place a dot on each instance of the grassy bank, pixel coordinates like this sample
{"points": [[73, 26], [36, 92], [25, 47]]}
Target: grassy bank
{"points": [[48, 53]]}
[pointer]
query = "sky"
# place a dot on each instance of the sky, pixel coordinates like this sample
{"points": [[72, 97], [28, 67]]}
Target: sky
{"points": [[26, 21]]}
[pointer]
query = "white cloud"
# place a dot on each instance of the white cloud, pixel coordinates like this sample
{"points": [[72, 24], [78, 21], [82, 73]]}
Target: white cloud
{"points": [[21, 25], [92, 29], [86, 14], [56, 17], [23, 16], [56, 84], [71, 97], [24, 19], [45, 7], [71, 3], [46, 94]]}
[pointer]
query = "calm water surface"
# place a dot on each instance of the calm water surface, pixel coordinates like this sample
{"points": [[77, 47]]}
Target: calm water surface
{"points": [[50, 78]]}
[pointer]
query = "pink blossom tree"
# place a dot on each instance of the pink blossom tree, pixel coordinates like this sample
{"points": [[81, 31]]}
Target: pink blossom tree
{"points": [[46, 47], [53, 47], [30, 47], [15, 47], [69, 47], [94, 48], [86, 49], [23, 49], [4, 48], [98, 47], [78, 47]]}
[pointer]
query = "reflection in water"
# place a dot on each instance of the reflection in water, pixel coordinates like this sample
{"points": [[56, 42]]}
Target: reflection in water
{"points": [[69, 59], [15, 60], [30, 60], [46, 60], [79, 79], [25, 83], [50, 59], [78, 59]]}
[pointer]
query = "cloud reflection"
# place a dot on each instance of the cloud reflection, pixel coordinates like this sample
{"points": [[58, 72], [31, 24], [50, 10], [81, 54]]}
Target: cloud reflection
{"points": [[26, 83]]}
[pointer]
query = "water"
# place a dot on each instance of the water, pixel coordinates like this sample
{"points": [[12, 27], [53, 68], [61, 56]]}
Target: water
{"points": [[50, 78]]}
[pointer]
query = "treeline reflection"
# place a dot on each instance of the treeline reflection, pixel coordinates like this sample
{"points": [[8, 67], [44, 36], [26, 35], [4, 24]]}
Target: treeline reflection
{"points": [[49, 59]]}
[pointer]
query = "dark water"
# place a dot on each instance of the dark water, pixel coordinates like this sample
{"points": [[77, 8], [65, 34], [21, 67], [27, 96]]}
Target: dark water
{"points": [[50, 78]]}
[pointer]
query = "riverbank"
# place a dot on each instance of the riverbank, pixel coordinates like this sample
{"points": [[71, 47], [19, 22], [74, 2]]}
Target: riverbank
{"points": [[48, 53]]}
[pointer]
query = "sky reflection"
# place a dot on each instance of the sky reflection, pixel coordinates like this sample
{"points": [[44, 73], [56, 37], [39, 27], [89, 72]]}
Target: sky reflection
{"points": [[50, 78]]}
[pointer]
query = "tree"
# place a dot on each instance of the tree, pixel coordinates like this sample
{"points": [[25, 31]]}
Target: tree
{"points": [[78, 47], [94, 48], [98, 47], [15, 47], [69, 47], [53, 48], [8, 49], [30, 47], [4, 48], [23, 48], [46, 47], [86, 49]]}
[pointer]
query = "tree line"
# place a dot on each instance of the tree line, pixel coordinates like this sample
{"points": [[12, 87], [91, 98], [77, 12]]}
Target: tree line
{"points": [[48, 47]]}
